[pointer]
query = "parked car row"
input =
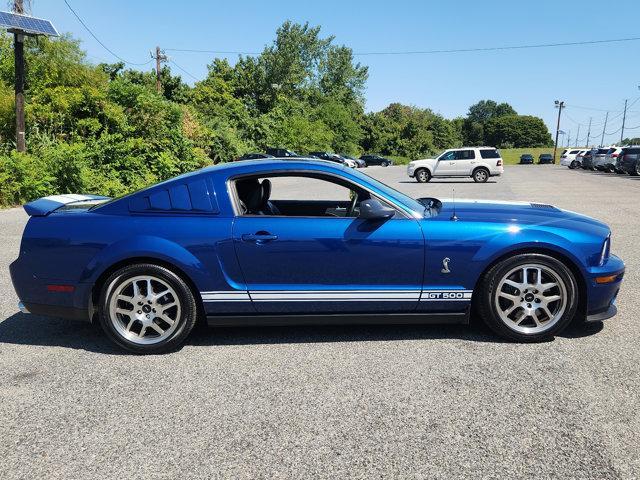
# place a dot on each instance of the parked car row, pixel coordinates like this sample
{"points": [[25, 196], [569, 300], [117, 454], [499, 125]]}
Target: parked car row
{"points": [[348, 160], [527, 158], [604, 159]]}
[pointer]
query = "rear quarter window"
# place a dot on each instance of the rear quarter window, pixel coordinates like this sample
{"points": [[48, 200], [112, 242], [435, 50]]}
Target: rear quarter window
{"points": [[490, 153]]}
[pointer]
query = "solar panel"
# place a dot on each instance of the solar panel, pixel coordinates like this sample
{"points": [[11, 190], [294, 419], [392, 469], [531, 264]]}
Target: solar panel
{"points": [[27, 24]]}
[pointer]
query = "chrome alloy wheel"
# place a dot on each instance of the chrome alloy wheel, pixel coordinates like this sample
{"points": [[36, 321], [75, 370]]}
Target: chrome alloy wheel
{"points": [[144, 309], [531, 298]]}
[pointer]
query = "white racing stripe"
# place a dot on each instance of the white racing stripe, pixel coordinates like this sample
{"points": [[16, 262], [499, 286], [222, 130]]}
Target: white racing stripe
{"points": [[338, 296]]}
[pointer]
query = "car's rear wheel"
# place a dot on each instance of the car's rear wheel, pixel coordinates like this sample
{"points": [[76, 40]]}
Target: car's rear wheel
{"points": [[574, 165], [146, 308], [384, 163], [636, 171], [423, 175], [528, 298], [480, 175]]}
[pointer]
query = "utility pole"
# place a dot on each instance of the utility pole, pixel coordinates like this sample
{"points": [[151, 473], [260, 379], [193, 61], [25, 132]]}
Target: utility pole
{"points": [[624, 117], [18, 57], [159, 58], [578, 136], [559, 106], [606, 117], [569, 138], [588, 132]]}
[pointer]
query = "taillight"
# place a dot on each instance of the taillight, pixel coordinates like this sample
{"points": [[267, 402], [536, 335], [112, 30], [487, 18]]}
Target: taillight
{"points": [[499, 163]]}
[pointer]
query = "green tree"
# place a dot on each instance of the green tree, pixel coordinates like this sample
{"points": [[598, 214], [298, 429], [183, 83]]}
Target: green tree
{"points": [[518, 131]]}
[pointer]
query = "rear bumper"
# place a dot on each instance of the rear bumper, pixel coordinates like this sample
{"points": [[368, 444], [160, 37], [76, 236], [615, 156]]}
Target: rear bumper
{"points": [[70, 313], [37, 299]]}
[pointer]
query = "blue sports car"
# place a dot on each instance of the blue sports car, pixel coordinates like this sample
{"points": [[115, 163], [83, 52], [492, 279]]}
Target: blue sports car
{"points": [[301, 241]]}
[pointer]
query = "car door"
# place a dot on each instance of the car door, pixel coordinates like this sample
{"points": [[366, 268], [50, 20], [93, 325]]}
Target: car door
{"points": [[328, 262], [465, 162], [446, 165]]}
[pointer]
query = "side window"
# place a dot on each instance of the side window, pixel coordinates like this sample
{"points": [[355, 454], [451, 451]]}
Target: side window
{"points": [[493, 153], [299, 196], [465, 155]]}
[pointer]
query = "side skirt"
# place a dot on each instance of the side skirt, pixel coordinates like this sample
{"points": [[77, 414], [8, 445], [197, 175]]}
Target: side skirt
{"points": [[339, 319]]}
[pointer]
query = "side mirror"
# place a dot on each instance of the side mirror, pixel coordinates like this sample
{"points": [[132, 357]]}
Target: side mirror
{"points": [[372, 209]]}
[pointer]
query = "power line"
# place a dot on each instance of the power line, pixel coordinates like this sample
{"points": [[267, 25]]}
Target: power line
{"points": [[429, 52], [99, 41], [220, 52], [192, 76]]}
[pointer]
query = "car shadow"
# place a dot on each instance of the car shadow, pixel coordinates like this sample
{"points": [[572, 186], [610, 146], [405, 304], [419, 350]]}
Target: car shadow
{"points": [[23, 329]]}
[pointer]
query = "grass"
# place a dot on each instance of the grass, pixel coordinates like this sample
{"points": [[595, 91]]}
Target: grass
{"points": [[511, 156]]}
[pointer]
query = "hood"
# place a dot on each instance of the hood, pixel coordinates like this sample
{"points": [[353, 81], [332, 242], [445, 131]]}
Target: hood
{"points": [[518, 213]]}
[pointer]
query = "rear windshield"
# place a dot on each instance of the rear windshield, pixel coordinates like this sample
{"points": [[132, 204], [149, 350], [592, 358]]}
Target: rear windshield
{"points": [[490, 153]]}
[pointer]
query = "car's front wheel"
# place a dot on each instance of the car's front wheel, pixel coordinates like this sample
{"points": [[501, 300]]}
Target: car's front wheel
{"points": [[146, 308], [423, 175], [529, 297], [480, 175], [575, 164], [385, 163]]}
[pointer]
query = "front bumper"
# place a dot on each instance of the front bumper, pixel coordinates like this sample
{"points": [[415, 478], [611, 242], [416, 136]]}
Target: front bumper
{"points": [[599, 317], [411, 169], [601, 297]]}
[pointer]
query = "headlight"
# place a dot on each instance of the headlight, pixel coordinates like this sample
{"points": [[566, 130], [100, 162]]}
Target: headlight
{"points": [[606, 250]]}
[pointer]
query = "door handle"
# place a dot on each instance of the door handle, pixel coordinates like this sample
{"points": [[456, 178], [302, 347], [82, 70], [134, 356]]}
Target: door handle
{"points": [[258, 237]]}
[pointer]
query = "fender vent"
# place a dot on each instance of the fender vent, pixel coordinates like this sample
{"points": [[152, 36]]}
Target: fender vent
{"points": [[544, 206]]}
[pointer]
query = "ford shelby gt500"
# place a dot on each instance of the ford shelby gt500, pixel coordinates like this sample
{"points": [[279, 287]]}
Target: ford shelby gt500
{"points": [[250, 243]]}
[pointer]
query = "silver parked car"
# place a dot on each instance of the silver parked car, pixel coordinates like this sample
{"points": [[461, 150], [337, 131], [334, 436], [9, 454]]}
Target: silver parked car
{"points": [[610, 159], [600, 158]]}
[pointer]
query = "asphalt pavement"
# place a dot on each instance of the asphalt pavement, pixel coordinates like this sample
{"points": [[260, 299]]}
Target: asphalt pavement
{"points": [[336, 402]]}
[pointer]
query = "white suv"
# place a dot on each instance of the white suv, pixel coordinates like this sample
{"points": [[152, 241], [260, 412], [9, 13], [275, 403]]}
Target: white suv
{"points": [[569, 158], [479, 163]]}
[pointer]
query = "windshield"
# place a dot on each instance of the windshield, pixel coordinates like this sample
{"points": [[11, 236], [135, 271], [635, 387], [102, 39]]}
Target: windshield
{"points": [[410, 202]]}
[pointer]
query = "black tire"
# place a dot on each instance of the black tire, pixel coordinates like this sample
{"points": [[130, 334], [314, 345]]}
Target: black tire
{"points": [[422, 175], [636, 171], [480, 175], [487, 292], [574, 165], [185, 320], [385, 164]]}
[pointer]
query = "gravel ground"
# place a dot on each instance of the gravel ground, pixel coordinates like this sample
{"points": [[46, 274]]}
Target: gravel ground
{"points": [[336, 402]]}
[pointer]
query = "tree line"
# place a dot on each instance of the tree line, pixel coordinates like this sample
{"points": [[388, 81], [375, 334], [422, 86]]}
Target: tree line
{"points": [[104, 128]]}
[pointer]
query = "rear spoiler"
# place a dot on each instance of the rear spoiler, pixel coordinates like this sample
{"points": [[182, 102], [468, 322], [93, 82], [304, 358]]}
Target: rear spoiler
{"points": [[45, 205]]}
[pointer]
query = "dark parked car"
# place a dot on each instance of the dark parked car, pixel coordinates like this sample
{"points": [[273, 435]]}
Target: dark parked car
{"points": [[526, 158], [332, 157], [587, 159], [376, 160], [629, 161], [282, 152], [254, 156], [545, 158]]}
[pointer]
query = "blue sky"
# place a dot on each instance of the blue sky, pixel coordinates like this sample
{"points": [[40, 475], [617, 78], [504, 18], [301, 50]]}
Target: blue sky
{"points": [[590, 79]]}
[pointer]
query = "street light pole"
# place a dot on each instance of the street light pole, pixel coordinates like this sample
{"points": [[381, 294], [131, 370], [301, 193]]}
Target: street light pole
{"points": [[559, 106]]}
